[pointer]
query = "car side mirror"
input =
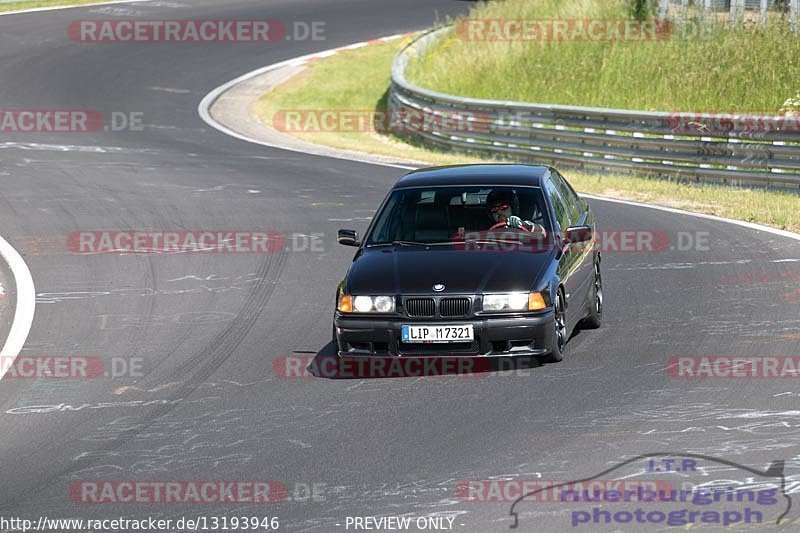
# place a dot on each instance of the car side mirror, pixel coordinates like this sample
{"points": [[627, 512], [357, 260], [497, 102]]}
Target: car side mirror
{"points": [[348, 237], [578, 234]]}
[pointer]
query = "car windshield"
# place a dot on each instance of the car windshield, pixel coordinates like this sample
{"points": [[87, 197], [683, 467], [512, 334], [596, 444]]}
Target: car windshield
{"points": [[446, 215]]}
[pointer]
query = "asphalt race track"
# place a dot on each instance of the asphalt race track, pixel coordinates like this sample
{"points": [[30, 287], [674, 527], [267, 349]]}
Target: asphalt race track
{"points": [[211, 329]]}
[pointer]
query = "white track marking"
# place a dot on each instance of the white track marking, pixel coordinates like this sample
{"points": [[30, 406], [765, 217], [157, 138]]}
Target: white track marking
{"points": [[204, 108], [205, 105], [749, 225], [58, 8], [25, 305]]}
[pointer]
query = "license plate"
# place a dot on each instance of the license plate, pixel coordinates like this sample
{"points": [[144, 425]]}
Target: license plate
{"points": [[436, 333]]}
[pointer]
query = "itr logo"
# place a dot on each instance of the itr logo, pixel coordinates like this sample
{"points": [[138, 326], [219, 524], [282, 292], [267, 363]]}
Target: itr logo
{"points": [[666, 465]]}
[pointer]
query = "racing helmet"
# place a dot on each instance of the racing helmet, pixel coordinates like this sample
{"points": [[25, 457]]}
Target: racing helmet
{"points": [[503, 197]]}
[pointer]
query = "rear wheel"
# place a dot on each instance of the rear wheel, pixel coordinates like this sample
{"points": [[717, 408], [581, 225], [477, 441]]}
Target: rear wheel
{"points": [[595, 317], [560, 335]]}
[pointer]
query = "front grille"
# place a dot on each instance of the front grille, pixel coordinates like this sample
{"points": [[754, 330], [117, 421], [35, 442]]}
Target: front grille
{"points": [[439, 349], [454, 307], [421, 307]]}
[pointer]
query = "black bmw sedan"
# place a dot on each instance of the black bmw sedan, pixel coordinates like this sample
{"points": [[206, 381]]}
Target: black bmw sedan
{"points": [[472, 260]]}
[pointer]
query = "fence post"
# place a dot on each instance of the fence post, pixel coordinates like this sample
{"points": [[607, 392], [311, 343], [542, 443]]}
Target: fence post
{"points": [[703, 11], [663, 8], [794, 6], [737, 10], [764, 12]]}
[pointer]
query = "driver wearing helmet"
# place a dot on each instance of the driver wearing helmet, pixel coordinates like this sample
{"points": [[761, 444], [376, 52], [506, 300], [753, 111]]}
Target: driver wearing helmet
{"points": [[502, 204]]}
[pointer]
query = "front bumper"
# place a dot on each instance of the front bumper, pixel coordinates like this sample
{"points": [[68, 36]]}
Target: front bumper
{"points": [[499, 336]]}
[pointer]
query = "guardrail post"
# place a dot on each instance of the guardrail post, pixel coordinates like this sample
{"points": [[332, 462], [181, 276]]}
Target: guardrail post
{"points": [[663, 8], [737, 10], [703, 13], [764, 12]]}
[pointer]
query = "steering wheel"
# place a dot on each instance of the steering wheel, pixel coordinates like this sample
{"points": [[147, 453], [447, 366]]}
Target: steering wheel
{"points": [[503, 224]]}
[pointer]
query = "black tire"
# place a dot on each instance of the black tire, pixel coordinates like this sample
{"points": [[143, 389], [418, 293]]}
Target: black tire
{"points": [[595, 317], [560, 335]]}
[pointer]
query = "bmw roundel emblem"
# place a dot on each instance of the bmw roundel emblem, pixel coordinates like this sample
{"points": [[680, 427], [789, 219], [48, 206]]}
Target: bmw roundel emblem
{"points": [[439, 287]]}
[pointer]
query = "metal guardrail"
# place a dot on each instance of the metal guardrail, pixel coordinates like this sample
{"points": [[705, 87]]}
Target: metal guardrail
{"points": [[728, 148]]}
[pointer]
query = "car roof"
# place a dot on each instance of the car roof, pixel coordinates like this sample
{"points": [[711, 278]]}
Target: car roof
{"points": [[487, 174]]}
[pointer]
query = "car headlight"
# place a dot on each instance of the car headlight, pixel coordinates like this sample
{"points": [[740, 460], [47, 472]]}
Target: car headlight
{"points": [[383, 304], [366, 304], [514, 301], [363, 304]]}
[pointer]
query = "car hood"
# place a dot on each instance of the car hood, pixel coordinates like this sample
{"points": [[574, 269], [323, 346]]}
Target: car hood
{"points": [[417, 270]]}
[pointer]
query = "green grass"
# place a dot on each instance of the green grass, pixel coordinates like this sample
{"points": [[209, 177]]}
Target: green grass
{"points": [[351, 80], [358, 80], [15, 6], [744, 69]]}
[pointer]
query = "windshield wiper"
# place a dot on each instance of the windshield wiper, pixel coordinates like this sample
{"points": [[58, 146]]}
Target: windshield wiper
{"points": [[398, 243], [443, 243], [489, 241]]}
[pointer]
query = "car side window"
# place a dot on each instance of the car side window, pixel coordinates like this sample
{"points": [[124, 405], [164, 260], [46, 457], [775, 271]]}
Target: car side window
{"points": [[574, 203], [559, 206]]}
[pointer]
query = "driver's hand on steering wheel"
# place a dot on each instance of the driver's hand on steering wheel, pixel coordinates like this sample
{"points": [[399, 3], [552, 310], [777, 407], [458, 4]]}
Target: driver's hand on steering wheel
{"points": [[514, 222]]}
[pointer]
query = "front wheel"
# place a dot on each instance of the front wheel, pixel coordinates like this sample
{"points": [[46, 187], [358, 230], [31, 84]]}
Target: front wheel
{"points": [[595, 317], [560, 335]]}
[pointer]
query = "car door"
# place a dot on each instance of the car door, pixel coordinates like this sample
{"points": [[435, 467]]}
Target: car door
{"points": [[579, 215], [569, 258]]}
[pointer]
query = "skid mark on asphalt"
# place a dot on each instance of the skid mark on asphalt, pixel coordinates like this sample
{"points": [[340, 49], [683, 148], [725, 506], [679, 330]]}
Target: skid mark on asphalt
{"points": [[187, 320], [133, 388], [685, 266], [207, 385], [208, 360], [76, 148], [170, 90], [198, 367], [225, 438], [137, 9], [203, 288]]}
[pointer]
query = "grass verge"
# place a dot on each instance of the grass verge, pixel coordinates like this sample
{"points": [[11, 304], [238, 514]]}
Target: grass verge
{"points": [[719, 69], [359, 79]]}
